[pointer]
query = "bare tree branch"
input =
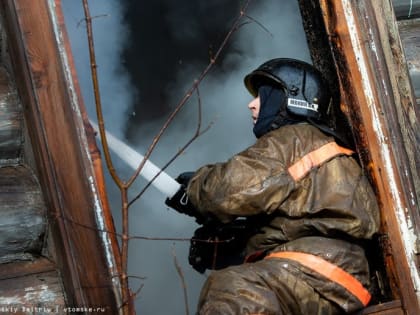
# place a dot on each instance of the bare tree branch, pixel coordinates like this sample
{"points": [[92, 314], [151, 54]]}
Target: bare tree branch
{"points": [[127, 306], [92, 17], [259, 24], [181, 276], [142, 237], [198, 132], [127, 296], [97, 94]]}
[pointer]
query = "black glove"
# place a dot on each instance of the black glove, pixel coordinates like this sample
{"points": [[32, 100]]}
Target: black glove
{"points": [[184, 178], [217, 246], [180, 201]]}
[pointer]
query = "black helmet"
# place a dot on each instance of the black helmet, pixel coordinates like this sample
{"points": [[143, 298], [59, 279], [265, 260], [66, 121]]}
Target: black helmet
{"points": [[307, 92]]}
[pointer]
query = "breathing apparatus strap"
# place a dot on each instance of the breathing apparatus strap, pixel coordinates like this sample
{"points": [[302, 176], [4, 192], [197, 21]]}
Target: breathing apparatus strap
{"points": [[328, 270], [315, 158]]}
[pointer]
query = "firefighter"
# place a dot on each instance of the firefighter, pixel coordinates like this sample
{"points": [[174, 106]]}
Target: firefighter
{"points": [[302, 190]]}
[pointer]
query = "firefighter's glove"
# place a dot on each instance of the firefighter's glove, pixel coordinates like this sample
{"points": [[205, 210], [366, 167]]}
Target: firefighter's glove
{"points": [[216, 246], [181, 203], [184, 178]]}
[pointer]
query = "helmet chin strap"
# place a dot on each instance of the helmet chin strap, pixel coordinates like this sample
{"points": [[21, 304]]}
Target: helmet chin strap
{"points": [[284, 118]]}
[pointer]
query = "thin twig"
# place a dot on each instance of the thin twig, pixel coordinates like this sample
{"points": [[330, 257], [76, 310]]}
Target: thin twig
{"points": [[92, 17], [174, 157], [181, 276], [143, 238], [136, 293], [97, 95], [259, 24]]}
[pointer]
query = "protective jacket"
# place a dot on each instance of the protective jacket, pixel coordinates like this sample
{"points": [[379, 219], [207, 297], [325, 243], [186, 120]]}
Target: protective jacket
{"points": [[309, 197]]}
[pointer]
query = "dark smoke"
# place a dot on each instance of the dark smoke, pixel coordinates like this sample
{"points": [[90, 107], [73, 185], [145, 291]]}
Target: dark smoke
{"points": [[166, 36]]}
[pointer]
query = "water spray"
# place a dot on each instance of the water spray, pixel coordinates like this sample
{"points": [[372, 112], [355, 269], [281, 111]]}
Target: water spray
{"points": [[164, 183]]}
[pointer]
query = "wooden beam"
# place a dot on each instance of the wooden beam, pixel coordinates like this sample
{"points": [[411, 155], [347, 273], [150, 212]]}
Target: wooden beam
{"points": [[19, 269], [23, 214], [374, 84], [323, 60], [388, 308]]}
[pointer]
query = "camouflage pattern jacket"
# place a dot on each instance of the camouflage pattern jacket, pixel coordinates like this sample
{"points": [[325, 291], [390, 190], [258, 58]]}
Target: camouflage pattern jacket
{"points": [[312, 194]]}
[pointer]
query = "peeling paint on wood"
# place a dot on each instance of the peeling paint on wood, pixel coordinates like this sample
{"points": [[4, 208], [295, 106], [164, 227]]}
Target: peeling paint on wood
{"points": [[33, 294], [106, 240]]}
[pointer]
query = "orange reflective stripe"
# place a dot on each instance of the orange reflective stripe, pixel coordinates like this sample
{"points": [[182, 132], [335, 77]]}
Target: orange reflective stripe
{"points": [[328, 270], [316, 158]]}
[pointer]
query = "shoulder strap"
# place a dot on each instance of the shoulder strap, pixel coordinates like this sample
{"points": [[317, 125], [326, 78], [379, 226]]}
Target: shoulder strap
{"points": [[315, 158], [328, 270]]}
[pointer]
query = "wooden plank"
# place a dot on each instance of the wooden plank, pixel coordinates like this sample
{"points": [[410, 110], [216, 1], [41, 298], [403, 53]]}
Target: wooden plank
{"points": [[390, 75], [388, 308], [406, 9], [11, 121], [374, 84], [22, 213], [20, 269], [40, 293], [323, 60], [410, 38], [66, 171]]}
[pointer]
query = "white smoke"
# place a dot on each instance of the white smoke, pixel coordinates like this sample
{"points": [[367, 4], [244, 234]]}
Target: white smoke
{"points": [[224, 100], [110, 36]]}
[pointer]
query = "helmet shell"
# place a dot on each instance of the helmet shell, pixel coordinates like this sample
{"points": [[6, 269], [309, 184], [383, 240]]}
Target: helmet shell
{"points": [[307, 92]]}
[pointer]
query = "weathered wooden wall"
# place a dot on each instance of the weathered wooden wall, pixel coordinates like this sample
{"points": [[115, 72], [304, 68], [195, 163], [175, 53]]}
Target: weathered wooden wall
{"points": [[37, 292], [29, 283], [23, 215], [11, 121], [361, 40], [67, 166]]}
